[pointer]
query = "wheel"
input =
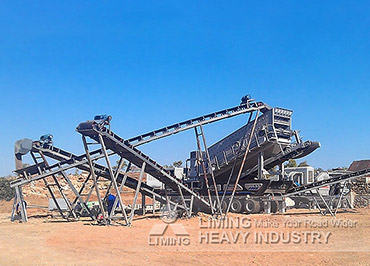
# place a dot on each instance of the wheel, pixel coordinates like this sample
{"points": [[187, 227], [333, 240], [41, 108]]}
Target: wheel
{"points": [[274, 206], [252, 206], [236, 206], [249, 206]]}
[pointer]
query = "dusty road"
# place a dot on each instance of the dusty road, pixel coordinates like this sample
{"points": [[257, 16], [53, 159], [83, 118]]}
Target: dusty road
{"points": [[295, 238]]}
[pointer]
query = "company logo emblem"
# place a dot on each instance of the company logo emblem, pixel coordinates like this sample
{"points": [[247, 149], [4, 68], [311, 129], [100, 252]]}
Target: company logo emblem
{"points": [[160, 235]]}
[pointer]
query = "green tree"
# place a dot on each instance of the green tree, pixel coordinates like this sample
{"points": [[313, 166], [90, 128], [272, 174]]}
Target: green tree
{"points": [[124, 165], [174, 164], [302, 164], [6, 192], [177, 164], [291, 163]]}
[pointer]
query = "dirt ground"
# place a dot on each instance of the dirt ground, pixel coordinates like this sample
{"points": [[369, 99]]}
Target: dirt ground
{"points": [[281, 239]]}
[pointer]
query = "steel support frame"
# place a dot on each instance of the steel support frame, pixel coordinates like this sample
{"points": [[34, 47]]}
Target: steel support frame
{"points": [[43, 176], [136, 193], [179, 185], [69, 205], [328, 207], [56, 183], [92, 172], [113, 177], [242, 164], [120, 191], [70, 163], [234, 164], [210, 167], [19, 202], [71, 186], [201, 160]]}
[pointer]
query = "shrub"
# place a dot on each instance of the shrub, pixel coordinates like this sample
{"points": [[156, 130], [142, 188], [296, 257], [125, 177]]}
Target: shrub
{"points": [[6, 192]]}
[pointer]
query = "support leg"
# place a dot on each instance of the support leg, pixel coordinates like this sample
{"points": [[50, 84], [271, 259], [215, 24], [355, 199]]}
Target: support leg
{"points": [[113, 176], [136, 193], [154, 203], [92, 172], [12, 217], [22, 205], [211, 170], [340, 198], [143, 202], [326, 204], [78, 196], [120, 191]]}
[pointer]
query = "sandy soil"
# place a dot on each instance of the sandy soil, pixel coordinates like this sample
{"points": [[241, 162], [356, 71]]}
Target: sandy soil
{"points": [[50, 241]]}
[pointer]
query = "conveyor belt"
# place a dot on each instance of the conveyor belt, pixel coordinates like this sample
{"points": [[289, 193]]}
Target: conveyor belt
{"points": [[295, 152], [327, 182], [127, 151], [201, 120], [69, 160]]}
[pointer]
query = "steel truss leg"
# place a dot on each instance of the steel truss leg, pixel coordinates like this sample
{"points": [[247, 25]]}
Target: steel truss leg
{"points": [[191, 205], [91, 190], [12, 217], [235, 161], [154, 203], [21, 204], [78, 196], [200, 156], [168, 203], [143, 203], [340, 198], [82, 188], [326, 204], [317, 203], [184, 202], [54, 199], [69, 205], [71, 211], [136, 193], [48, 186], [120, 191], [242, 164], [92, 172], [167, 199], [211, 169], [113, 175]]}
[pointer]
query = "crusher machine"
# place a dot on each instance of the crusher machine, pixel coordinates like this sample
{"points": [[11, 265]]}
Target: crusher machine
{"points": [[231, 175]]}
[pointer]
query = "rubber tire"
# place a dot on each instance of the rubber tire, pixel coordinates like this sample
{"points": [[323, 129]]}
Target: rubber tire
{"points": [[236, 206], [252, 206], [257, 207], [274, 206], [249, 206]]}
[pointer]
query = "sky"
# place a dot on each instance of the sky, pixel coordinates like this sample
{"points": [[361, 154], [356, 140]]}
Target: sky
{"points": [[153, 63]]}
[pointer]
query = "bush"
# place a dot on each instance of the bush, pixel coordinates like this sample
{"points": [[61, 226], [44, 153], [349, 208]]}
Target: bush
{"points": [[6, 192]]}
